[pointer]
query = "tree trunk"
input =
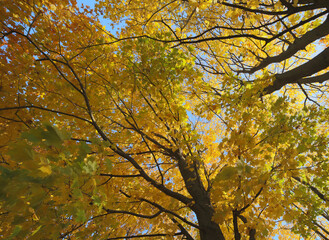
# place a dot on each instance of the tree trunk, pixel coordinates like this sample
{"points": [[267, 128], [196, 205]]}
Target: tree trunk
{"points": [[209, 230]]}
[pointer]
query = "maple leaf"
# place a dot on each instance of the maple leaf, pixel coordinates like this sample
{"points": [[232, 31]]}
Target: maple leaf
{"points": [[196, 120]]}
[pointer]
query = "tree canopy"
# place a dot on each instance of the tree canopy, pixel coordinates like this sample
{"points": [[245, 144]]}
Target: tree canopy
{"points": [[190, 119]]}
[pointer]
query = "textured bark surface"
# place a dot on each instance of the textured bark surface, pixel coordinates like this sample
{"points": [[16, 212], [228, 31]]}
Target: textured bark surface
{"points": [[209, 230]]}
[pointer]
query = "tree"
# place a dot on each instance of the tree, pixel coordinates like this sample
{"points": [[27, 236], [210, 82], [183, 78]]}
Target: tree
{"points": [[174, 129]]}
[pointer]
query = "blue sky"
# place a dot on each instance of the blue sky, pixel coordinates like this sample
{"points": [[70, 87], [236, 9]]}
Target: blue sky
{"points": [[105, 22], [90, 3]]}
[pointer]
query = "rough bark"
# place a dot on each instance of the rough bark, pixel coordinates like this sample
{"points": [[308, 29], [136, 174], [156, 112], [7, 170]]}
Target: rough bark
{"points": [[296, 75], [209, 230]]}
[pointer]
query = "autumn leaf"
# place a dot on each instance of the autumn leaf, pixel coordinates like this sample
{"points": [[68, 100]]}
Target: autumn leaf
{"points": [[185, 119]]}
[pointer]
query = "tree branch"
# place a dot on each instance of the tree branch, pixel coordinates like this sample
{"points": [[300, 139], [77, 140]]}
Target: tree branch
{"points": [[318, 63], [313, 189], [297, 45], [45, 109], [146, 236]]}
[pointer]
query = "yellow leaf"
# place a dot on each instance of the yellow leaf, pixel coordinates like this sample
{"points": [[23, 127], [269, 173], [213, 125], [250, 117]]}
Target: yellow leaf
{"points": [[46, 169]]}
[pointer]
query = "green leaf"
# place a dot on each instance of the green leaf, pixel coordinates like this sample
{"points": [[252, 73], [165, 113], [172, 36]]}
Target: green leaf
{"points": [[226, 173], [21, 151], [109, 164], [52, 136], [81, 216], [33, 135], [77, 193], [46, 134], [84, 149]]}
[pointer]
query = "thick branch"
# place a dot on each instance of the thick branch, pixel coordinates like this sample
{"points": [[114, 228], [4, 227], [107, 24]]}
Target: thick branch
{"points": [[209, 230], [275, 13], [252, 234], [157, 185], [313, 66], [237, 235], [297, 45], [317, 79], [163, 210]]}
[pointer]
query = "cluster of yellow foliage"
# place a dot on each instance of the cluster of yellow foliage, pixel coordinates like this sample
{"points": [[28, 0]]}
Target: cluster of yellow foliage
{"points": [[172, 129]]}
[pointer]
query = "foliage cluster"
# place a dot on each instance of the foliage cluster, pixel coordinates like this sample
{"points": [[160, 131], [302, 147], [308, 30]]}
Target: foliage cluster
{"points": [[200, 119]]}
